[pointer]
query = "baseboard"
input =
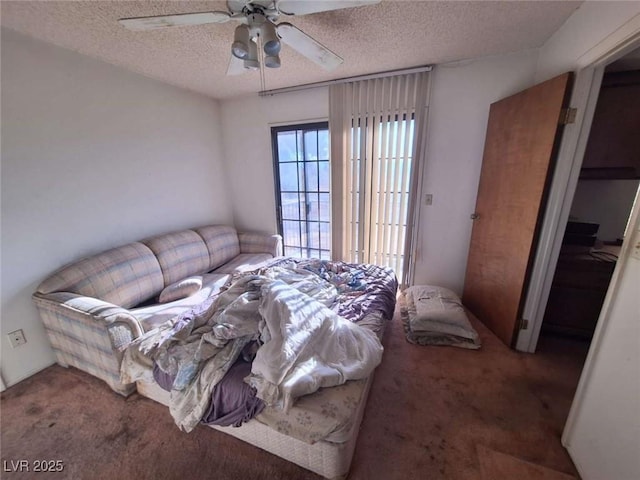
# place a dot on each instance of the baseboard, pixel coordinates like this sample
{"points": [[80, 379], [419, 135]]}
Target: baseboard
{"points": [[30, 373]]}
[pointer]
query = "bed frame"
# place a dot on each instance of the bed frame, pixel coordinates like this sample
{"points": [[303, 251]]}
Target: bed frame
{"points": [[328, 459]]}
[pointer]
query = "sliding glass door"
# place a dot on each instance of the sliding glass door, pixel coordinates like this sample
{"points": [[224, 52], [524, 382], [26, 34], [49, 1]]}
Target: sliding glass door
{"points": [[302, 178]]}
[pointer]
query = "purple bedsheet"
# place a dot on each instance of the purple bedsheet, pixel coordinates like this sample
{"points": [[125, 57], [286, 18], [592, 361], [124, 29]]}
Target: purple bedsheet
{"points": [[232, 400]]}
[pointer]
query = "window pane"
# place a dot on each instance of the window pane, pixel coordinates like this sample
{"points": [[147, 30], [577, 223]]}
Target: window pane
{"points": [[325, 236], [291, 232], [300, 146], [311, 145], [314, 204], [325, 207], [314, 253], [288, 177], [325, 255], [323, 145], [314, 234], [304, 207], [286, 146], [290, 206], [324, 176], [302, 180], [311, 169], [293, 252]]}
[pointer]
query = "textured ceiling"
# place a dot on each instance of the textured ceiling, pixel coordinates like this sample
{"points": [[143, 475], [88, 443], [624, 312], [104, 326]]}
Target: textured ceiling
{"points": [[387, 36]]}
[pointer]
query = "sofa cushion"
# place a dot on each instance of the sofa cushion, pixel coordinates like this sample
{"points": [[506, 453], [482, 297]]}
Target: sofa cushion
{"points": [[180, 254], [124, 276], [244, 263], [181, 289], [222, 242], [152, 316]]}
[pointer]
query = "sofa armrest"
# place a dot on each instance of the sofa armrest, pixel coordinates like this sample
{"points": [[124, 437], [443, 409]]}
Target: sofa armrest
{"points": [[260, 243], [89, 334], [100, 310]]}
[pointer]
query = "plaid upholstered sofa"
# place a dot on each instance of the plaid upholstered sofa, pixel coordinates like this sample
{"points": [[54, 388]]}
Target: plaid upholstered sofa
{"points": [[93, 308]]}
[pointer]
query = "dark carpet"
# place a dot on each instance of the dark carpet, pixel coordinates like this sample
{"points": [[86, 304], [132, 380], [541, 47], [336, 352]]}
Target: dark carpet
{"points": [[433, 413]]}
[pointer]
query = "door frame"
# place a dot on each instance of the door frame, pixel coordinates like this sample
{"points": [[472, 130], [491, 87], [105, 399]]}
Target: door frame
{"points": [[590, 70]]}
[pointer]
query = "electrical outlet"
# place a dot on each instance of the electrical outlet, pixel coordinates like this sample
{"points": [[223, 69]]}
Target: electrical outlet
{"points": [[16, 338], [428, 199]]}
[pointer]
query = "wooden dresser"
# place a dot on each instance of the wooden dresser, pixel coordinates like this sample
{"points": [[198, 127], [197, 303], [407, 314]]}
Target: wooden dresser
{"points": [[578, 290]]}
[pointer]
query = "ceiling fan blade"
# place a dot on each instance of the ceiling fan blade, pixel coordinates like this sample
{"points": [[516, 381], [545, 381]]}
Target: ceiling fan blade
{"points": [[236, 66], [304, 7], [151, 23], [238, 5], [307, 46]]}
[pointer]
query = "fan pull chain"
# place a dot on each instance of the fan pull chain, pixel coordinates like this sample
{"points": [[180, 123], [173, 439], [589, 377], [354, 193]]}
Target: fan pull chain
{"points": [[261, 60]]}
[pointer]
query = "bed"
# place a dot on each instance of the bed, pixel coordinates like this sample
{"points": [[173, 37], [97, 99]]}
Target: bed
{"points": [[310, 418]]}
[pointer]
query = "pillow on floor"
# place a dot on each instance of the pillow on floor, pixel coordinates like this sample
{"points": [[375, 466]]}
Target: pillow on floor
{"points": [[182, 289], [435, 316]]}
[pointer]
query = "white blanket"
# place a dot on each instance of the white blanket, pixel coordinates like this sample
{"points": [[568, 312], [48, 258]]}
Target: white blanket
{"points": [[304, 344], [307, 346]]}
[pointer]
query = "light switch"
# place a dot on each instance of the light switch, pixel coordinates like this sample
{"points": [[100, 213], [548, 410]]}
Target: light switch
{"points": [[428, 199]]}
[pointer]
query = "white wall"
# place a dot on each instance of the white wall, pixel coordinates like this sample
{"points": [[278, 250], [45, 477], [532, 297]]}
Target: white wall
{"points": [[461, 94], [605, 202], [92, 157], [246, 127], [582, 33], [603, 431]]}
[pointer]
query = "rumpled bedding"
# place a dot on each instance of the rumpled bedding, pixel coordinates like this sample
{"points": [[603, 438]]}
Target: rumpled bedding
{"points": [[293, 312]]}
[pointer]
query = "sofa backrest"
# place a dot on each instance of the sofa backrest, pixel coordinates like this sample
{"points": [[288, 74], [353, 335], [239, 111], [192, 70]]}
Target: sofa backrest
{"points": [[124, 276], [127, 276], [222, 243], [180, 254]]}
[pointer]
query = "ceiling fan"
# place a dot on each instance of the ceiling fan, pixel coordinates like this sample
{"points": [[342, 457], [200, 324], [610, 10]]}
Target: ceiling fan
{"points": [[257, 27]]}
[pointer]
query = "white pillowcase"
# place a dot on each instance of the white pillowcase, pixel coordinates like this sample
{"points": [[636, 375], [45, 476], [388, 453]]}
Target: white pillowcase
{"points": [[437, 309], [182, 289]]}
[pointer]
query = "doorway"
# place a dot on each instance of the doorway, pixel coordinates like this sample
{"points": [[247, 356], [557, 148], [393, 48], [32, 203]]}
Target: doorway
{"points": [[601, 207]]}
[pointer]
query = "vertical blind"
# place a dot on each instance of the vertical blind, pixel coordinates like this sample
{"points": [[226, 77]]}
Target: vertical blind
{"points": [[377, 132]]}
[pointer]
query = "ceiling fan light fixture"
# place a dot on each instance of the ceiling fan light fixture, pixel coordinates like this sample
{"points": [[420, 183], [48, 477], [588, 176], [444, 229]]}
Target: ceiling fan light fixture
{"points": [[241, 47], [270, 41], [251, 61], [272, 61], [251, 65]]}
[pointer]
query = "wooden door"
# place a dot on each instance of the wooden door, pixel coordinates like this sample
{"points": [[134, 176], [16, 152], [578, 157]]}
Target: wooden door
{"points": [[523, 135]]}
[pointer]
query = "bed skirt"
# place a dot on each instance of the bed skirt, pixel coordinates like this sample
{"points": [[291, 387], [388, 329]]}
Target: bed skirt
{"points": [[328, 459]]}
